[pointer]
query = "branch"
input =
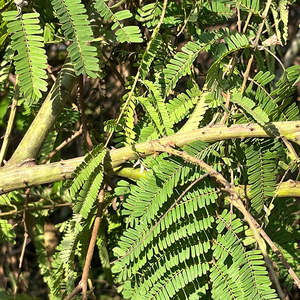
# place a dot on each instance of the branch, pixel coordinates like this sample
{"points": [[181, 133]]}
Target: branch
{"points": [[82, 285], [289, 188], [38, 131], [63, 144], [234, 199], [27, 174], [10, 122], [81, 108], [137, 76], [255, 43], [277, 252]]}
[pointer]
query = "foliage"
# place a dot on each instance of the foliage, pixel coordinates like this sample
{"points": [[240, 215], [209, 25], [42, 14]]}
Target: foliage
{"points": [[30, 62], [76, 27], [208, 122]]}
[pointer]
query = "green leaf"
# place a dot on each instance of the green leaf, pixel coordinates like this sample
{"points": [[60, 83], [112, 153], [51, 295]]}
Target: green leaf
{"points": [[247, 104], [31, 61], [6, 232], [181, 64], [75, 24], [129, 34]]}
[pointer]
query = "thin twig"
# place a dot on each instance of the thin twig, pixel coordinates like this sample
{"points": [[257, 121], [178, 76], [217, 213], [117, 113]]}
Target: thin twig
{"points": [[10, 123], [82, 285], [30, 208], [80, 103], [296, 159], [25, 237], [270, 52], [51, 74], [137, 76], [247, 22], [213, 121], [277, 252], [227, 103], [255, 43], [63, 144], [290, 147], [25, 228], [246, 74], [231, 204], [239, 22], [186, 21], [261, 25]]}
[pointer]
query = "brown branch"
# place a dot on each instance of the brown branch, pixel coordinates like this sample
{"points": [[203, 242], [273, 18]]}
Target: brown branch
{"points": [[50, 73], [33, 208], [234, 199], [255, 43], [261, 25], [277, 252], [25, 229], [25, 237], [227, 103], [63, 144], [82, 285], [283, 190]]}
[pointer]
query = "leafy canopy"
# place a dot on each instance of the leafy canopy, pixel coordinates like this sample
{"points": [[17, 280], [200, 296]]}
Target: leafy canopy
{"points": [[206, 133]]}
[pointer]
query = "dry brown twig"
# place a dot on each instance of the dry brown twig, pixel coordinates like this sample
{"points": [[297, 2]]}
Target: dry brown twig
{"points": [[63, 144], [234, 199], [83, 284], [25, 238]]}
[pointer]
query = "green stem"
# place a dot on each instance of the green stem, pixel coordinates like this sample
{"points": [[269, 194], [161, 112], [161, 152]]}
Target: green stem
{"points": [[27, 174], [261, 25], [38, 131], [137, 76], [255, 43]]}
